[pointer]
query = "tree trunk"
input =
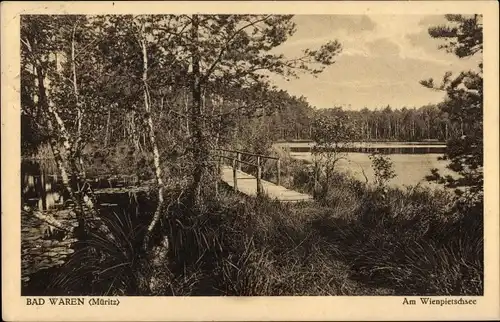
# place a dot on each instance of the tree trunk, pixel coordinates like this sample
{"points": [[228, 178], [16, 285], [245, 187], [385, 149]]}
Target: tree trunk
{"points": [[156, 154], [87, 216], [77, 141], [220, 101], [106, 137], [133, 131], [186, 113], [153, 262], [200, 147]]}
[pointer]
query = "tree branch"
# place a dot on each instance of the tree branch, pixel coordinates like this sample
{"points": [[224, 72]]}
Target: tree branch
{"points": [[228, 42]]}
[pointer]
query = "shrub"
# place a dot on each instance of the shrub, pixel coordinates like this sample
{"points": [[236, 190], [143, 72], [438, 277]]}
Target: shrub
{"points": [[100, 266], [383, 168]]}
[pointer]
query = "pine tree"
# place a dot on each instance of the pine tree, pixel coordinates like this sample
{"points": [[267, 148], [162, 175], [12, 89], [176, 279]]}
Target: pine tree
{"points": [[464, 101]]}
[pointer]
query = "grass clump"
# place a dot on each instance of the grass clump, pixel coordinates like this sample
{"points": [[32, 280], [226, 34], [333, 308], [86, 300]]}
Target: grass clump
{"points": [[413, 241], [241, 246]]}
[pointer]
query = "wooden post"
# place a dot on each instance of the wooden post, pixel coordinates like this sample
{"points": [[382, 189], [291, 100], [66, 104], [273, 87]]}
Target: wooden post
{"points": [[259, 175], [238, 155], [235, 177], [278, 165]]}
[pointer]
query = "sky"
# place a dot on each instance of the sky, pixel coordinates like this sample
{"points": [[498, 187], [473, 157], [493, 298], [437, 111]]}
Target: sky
{"points": [[382, 61]]}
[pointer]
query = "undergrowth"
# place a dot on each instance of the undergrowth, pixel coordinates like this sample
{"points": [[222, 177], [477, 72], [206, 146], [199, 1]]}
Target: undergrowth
{"points": [[356, 240]]}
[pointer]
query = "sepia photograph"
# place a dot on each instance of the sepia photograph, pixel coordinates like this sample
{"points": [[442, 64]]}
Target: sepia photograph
{"points": [[252, 155]]}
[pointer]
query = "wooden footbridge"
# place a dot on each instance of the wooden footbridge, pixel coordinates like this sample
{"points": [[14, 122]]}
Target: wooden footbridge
{"points": [[230, 164]]}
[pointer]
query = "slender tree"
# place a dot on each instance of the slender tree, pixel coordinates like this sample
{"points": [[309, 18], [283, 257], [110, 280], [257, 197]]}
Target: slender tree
{"points": [[333, 133]]}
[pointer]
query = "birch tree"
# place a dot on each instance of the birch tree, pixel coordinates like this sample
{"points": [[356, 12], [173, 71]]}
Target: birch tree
{"points": [[45, 48]]}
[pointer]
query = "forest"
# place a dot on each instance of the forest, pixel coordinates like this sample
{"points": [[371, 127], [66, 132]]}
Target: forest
{"points": [[294, 121], [152, 97]]}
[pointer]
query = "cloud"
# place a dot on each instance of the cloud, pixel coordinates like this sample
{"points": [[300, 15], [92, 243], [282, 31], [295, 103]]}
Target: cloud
{"points": [[428, 47], [432, 20], [383, 59], [421, 38], [355, 24], [383, 47], [316, 30], [381, 69], [424, 40], [370, 81], [363, 85], [329, 24]]}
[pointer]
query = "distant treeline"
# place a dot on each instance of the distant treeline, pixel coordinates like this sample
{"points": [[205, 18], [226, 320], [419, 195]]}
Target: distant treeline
{"points": [[429, 122]]}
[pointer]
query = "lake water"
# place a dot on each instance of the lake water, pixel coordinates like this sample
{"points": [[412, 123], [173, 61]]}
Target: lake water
{"points": [[412, 161], [41, 186], [45, 249]]}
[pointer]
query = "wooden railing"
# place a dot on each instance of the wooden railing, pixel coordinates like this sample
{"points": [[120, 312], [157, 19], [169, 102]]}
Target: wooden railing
{"points": [[236, 162]]}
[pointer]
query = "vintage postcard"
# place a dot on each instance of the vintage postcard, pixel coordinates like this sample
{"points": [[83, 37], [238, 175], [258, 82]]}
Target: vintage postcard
{"points": [[285, 160]]}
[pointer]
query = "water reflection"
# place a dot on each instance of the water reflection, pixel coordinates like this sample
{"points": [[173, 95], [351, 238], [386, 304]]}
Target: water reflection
{"points": [[383, 150], [41, 186]]}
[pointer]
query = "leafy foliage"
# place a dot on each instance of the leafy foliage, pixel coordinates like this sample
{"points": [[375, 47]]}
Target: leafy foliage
{"points": [[333, 128], [293, 120], [383, 168], [333, 133]]}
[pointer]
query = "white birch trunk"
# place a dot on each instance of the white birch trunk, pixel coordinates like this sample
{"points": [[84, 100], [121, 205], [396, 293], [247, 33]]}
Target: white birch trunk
{"points": [[64, 161], [156, 154], [77, 147]]}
